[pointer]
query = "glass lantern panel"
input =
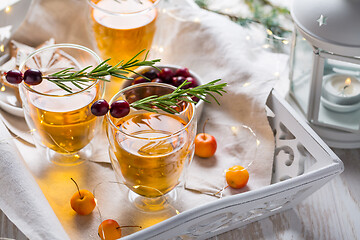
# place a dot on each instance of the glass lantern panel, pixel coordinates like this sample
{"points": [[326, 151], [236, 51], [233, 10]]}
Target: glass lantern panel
{"points": [[340, 97], [301, 70]]}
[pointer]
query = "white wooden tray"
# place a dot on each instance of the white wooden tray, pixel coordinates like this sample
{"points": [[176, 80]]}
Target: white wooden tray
{"points": [[302, 164]]}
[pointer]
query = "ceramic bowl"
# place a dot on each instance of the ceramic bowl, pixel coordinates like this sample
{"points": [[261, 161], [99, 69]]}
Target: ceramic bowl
{"points": [[198, 106]]}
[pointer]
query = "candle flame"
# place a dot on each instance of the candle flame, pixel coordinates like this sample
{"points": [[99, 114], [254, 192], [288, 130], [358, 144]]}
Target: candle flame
{"points": [[348, 81]]}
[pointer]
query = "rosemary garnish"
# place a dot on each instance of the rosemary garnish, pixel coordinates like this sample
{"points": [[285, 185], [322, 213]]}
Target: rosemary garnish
{"points": [[168, 101], [81, 79]]}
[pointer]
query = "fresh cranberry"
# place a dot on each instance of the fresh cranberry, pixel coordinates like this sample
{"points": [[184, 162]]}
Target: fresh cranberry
{"points": [[195, 99], [192, 82], [100, 107], [178, 80], [166, 74], [157, 80], [119, 109], [139, 80], [182, 72], [151, 74], [32, 77], [14, 76]]}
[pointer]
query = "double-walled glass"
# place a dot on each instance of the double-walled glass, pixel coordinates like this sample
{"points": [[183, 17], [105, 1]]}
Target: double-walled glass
{"points": [[62, 122], [122, 28], [150, 151]]}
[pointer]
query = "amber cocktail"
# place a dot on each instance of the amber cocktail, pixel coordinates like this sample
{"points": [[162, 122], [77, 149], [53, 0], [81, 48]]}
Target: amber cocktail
{"points": [[150, 151], [122, 28], [62, 122]]}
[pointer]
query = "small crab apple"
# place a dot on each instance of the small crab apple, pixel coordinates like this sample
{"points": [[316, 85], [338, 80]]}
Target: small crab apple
{"points": [[237, 176], [83, 201], [205, 144], [110, 230]]}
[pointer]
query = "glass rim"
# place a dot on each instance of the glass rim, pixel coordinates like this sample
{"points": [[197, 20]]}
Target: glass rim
{"points": [[152, 138], [56, 46], [94, 6]]}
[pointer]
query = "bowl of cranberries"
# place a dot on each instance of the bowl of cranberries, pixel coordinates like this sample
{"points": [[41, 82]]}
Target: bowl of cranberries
{"points": [[169, 74]]}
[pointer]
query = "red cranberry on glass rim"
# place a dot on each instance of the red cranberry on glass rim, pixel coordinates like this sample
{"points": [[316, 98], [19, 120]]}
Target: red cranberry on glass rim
{"points": [[100, 107], [14, 76], [119, 109], [32, 77]]}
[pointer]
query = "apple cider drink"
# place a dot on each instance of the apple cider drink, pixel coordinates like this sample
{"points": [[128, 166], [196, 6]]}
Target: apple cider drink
{"points": [[59, 113], [151, 150], [123, 28], [151, 162], [66, 125]]}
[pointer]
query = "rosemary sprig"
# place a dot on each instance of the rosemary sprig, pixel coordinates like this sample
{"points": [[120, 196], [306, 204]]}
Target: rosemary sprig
{"points": [[168, 101], [82, 78]]}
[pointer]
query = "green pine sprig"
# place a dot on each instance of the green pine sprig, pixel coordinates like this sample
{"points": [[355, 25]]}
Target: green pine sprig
{"points": [[168, 101], [83, 78], [271, 20]]}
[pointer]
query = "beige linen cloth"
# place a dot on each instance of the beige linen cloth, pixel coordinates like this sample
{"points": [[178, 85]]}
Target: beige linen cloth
{"points": [[210, 45]]}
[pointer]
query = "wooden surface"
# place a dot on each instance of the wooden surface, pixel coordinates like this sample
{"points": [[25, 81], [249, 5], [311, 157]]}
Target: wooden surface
{"points": [[333, 212]]}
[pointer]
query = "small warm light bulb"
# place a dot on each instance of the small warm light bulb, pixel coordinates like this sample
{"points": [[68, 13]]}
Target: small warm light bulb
{"points": [[269, 32], [348, 81], [234, 130], [246, 84], [196, 20], [2, 48], [2, 89], [7, 9]]}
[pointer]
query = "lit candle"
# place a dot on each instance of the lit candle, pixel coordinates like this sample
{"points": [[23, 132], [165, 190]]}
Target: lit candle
{"points": [[341, 89]]}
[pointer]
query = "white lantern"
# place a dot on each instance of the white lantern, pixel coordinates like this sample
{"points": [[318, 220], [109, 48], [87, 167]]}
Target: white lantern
{"points": [[325, 68]]}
